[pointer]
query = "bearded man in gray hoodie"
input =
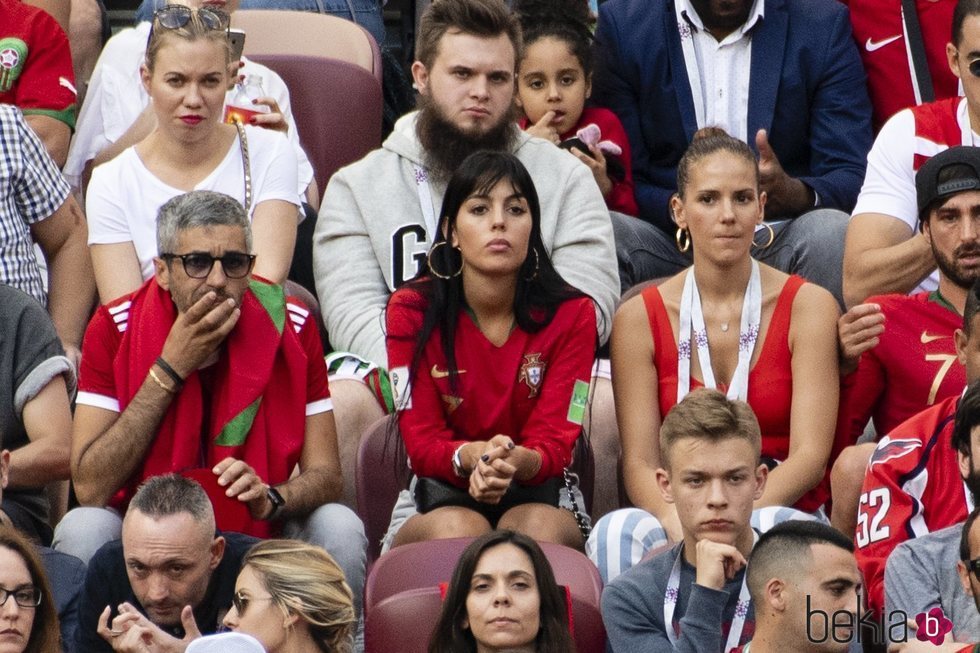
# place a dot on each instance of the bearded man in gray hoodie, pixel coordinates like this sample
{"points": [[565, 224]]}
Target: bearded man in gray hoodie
{"points": [[379, 215]]}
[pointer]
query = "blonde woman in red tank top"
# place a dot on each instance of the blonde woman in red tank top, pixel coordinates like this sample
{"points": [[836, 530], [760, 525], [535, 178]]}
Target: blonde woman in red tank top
{"points": [[727, 322]]}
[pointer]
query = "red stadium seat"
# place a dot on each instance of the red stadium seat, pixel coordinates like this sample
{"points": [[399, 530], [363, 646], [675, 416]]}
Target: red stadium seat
{"points": [[422, 565], [382, 472], [403, 623], [337, 106], [273, 31]]}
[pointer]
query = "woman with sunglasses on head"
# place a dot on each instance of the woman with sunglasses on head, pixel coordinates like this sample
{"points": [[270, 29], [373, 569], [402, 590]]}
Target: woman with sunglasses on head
{"points": [[187, 70], [503, 597], [727, 322], [293, 598], [116, 113], [490, 353], [28, 620]]}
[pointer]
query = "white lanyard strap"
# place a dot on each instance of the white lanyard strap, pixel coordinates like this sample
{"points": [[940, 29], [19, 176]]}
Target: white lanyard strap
{"points": [[673, 593], [425, 201], [692, 329]]}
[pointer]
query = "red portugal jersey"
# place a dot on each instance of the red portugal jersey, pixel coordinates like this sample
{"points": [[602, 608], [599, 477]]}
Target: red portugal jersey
{"points": [[880, 34], [912, 487], [533, 387], [913, 366]]}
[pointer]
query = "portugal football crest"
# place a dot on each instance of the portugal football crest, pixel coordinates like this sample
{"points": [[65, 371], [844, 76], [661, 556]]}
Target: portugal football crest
{"points": [[532, 373]]}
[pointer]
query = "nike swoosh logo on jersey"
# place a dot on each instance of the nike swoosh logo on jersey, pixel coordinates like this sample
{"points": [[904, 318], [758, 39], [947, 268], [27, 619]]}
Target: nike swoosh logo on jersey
{"points": [[871, 46], [441, 374], [926, 338]]}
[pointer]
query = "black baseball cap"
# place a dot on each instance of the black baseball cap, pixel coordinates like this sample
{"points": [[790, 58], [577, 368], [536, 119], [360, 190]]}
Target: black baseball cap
{"points": [[949, 173]]}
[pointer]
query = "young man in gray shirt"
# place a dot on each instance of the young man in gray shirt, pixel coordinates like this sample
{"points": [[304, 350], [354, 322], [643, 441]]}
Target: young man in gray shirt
{"points": [[693, 597]]}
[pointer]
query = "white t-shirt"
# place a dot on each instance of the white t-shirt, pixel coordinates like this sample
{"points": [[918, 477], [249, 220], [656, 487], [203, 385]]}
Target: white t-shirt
{"points": [[116, 97], [889, 184], [124, 196]]}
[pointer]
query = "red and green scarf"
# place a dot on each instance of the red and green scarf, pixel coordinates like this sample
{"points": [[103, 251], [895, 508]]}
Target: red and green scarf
{"points": [[258, 408]]}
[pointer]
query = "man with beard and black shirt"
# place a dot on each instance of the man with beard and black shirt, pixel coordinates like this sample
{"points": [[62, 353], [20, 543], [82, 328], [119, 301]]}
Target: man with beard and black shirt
{"points": [[379, 215]]}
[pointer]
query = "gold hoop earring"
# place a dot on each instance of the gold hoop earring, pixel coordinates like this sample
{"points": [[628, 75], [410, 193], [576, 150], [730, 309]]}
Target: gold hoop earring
{"points": [[682, 236], [537, 263], [772, 237], [436, 273]]}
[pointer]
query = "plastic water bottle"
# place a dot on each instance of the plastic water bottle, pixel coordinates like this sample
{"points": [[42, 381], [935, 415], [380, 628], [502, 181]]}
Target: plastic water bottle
{"points": [[241, 108]]}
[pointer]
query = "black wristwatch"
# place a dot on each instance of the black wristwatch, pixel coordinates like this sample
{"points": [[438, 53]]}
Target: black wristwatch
{"points": [[278, 503]]}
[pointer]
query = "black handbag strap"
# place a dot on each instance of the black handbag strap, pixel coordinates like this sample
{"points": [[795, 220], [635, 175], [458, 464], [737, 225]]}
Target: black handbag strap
{"points": [[921, 78]]}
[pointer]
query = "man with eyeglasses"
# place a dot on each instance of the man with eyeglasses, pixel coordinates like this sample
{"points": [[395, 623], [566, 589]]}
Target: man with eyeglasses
{"points": [[208, 372], [168, 580], [884, 252]]}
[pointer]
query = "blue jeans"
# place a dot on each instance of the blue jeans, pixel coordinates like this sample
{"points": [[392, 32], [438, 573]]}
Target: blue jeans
{"points": [[811, 246], [366, 13]]}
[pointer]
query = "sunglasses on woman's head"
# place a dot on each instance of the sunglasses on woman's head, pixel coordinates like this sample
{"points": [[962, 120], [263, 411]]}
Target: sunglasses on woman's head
{"points": [[177, 16]]}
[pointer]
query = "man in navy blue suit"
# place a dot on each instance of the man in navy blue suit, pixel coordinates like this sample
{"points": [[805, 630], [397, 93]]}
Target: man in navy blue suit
{"points": [[783, 75]]}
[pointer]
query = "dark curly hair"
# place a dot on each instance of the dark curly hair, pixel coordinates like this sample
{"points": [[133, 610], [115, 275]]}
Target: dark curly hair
{"points": [[564, 20]]}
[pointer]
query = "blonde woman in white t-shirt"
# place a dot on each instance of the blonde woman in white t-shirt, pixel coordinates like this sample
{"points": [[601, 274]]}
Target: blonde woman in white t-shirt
{"points": [[187, 71]]}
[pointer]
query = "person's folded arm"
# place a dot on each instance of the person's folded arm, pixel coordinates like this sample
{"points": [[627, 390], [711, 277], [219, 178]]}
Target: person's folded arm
{"points": [[583, 250], [320, 480], [54, 133], [71, 284], [47, 420], [429, 441], [882, 255], [349, 282], [556, 423], [883, 251], [636, 393]]}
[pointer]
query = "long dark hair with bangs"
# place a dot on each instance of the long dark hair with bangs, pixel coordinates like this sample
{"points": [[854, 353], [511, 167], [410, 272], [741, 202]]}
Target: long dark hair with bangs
{"points": [[540, 289]]}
